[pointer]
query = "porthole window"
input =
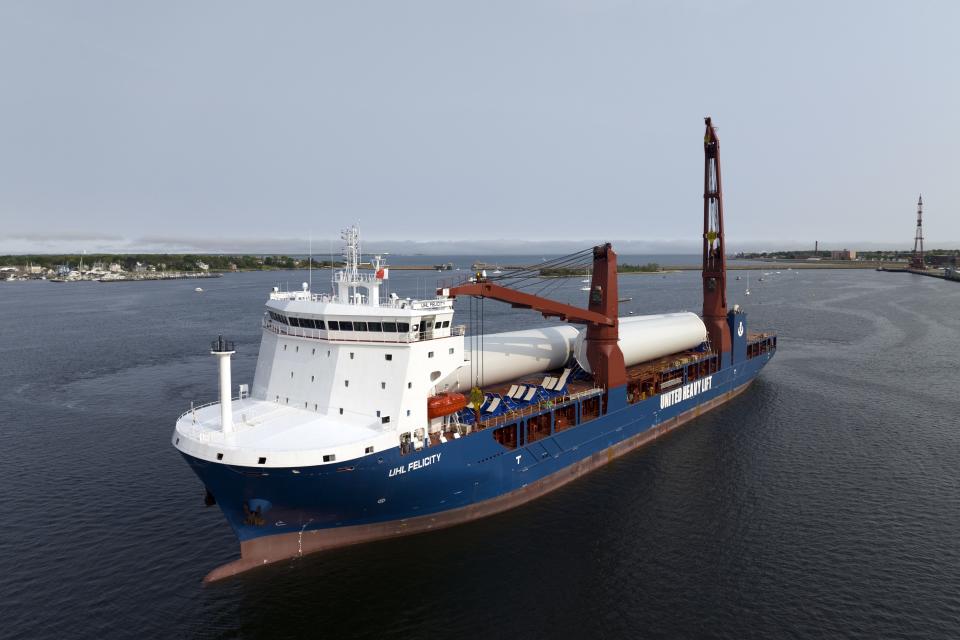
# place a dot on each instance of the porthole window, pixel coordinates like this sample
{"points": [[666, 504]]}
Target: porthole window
{"points": [[329, 457], [430, 354], [341, 410], [351, 355], [313, 352], [219, 456], [383, 385], [385, 419], [368, 450], [261, 461], [451, 350], [388, 356], [408, 412], [291, 374], [284, 347], [409, 385], [346, 383], [297, 348], [312, 378]]}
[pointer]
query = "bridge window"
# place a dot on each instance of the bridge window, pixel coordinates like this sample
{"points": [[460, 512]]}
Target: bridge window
{"points": [[346, 325], [404, 327], [333, 325], [318, 324], [390, 327], [359, 326], [374, 326]]}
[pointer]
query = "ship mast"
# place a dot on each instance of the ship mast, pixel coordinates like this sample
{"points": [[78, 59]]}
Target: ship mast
{"points": [[714, 256]]}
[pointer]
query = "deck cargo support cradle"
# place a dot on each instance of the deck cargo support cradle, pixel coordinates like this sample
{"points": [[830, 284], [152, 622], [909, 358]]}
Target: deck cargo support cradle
{"points": [[373, 416]]}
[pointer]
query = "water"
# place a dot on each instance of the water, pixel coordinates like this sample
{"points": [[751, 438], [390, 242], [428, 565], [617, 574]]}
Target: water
{"points": [[823, 502]]}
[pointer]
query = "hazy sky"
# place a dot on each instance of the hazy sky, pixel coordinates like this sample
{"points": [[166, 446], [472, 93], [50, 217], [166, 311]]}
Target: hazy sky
{"points": [[250, 125]]}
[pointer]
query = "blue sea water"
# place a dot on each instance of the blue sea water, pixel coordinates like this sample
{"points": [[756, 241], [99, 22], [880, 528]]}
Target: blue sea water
{"points": [[822, 502]]}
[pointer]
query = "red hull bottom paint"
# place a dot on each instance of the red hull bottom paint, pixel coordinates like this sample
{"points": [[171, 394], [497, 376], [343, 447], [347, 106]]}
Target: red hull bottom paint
{"points": [[262, 551]]}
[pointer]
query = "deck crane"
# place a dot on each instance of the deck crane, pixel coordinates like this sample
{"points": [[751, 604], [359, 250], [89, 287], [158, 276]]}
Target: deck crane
{"points": [[600, 316]]}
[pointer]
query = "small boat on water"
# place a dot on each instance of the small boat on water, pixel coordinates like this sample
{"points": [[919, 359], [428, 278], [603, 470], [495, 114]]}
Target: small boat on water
{"points": [[199, 289]]}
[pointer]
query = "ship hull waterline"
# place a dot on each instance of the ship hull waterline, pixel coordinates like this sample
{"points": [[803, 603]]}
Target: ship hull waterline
{"points": [[266, 549]]}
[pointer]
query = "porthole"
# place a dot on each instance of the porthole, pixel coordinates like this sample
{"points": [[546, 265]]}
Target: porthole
{"points": [[388, 356], [219, 456], [346, 383], [329, 457], [368, 450], [383, 385], [312, 378], [262, 461]]}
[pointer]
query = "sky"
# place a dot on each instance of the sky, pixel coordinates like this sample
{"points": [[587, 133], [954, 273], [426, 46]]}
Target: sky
{"points": [[254, 126]]}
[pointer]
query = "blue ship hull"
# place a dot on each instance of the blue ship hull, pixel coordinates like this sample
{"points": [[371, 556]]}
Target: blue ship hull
{"points": [[278, 513]]}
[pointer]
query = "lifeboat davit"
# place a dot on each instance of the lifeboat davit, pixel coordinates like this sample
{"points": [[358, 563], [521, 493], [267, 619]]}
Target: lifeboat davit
{"points": [[445, 403]]}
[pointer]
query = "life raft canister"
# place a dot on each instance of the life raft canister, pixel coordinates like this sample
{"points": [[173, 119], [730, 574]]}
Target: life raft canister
{"points": [[445, 403]]}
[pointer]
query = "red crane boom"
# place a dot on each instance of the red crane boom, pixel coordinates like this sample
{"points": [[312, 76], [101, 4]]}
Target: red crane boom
{"points": [[601, 315]]}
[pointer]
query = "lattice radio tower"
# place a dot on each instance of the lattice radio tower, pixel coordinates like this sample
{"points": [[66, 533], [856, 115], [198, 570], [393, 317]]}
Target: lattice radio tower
{"points": [[916, 262]]}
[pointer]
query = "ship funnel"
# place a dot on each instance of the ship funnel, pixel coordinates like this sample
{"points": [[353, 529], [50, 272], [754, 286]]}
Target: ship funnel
{"points": [[223, 349]]}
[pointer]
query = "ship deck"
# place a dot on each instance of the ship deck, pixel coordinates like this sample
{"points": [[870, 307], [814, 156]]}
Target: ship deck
{"points": [[644, 380]]}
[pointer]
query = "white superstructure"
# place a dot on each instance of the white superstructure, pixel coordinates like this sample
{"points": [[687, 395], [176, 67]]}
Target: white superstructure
{"points": [[338, 376]]}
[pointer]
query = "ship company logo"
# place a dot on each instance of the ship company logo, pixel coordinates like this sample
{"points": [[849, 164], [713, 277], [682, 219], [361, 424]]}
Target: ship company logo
{"points": [[415, 464], [685, 392], [740, 329]]}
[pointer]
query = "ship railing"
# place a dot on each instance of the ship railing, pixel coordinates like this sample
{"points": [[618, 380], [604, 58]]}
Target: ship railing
{"points": [[359, 336], [196, 407], [540, 407]]}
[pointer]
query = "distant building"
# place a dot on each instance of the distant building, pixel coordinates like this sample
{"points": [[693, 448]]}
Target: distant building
{"points": [[939, 260], [844, 254], [233, 266], [203, 266], [36, 269], [115, 268]]}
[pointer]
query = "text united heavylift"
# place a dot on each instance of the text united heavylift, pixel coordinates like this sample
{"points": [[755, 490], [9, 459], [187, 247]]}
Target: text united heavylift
{"points": [[371, 417]]}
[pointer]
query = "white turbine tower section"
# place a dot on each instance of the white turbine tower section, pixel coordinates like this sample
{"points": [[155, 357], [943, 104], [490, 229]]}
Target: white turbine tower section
{"points": [[506, 356], [513, 354], [644, 338]]}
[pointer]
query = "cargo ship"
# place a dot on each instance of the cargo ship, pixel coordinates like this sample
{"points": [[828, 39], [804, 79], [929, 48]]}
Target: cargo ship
{"points": [[372, 416]]}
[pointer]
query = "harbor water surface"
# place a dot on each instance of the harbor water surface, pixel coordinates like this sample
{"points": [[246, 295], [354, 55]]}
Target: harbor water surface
{"points": [[822, 502]]}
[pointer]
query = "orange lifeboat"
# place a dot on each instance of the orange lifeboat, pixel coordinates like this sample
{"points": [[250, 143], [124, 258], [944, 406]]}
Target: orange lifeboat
{"points": [[445, 403]]}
